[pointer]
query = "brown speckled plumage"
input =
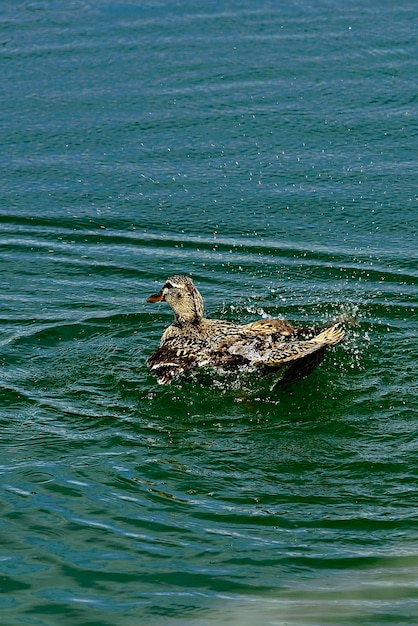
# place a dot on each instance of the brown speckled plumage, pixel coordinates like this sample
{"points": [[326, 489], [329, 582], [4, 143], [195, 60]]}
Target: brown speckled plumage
{"points": [[266, 345]]}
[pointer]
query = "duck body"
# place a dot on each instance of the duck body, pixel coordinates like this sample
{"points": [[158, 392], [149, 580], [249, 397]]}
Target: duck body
{"points": [[193, 341]]}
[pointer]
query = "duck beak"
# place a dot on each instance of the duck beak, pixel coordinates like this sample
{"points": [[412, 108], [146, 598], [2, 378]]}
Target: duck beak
{"points": [[157, 297]]}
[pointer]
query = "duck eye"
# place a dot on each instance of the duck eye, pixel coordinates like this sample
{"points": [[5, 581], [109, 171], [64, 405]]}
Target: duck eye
{"points": [[168, 286]]}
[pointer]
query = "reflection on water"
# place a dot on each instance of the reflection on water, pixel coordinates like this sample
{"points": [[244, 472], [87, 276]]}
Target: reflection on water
{"points": [[368, 595]]}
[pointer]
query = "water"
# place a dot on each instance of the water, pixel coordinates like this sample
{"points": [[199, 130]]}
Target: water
{"points": [[269, 151]]}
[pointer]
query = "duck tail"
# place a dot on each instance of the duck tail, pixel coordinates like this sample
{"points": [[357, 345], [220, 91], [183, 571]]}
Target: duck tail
{"points": [[310, 355], [310, 332], [330, 336]]}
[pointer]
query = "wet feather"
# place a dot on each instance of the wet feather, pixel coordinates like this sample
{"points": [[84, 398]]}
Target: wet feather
{"points": [[265, 345]]}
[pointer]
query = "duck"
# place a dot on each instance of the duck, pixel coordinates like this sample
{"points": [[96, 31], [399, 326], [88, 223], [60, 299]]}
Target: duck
{"points": [[265, 345]]}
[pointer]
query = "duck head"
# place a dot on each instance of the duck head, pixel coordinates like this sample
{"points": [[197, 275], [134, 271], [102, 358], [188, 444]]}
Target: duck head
{"points": [[180, 293]]}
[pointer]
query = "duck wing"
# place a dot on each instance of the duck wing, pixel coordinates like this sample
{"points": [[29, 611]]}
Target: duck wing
{"points": [[168, 363], [266, 352], [273, 326]]}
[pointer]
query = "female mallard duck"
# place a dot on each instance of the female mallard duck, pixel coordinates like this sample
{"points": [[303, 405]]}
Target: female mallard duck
{"points": [[266, 345]]}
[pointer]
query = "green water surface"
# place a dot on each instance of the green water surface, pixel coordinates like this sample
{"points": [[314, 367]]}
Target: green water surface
{"points": [[269, 150]]}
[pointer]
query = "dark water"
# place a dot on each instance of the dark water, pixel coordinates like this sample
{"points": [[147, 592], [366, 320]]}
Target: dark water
{"points": [[268, 149]]}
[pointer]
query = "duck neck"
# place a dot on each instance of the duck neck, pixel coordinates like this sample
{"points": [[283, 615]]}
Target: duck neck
{"points": [[187, 320]]}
